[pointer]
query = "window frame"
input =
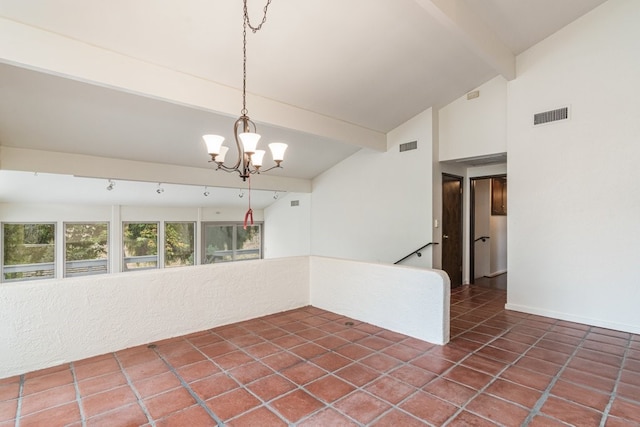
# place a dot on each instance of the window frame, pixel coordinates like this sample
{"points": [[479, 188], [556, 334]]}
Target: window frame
{"points": [[235, 224], [164, 243], [157, 255], [64, 249], [54, 263]]}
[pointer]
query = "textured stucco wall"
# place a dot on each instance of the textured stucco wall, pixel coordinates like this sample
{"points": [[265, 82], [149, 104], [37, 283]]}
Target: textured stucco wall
{"points": [[407, 300], [49, 322]]}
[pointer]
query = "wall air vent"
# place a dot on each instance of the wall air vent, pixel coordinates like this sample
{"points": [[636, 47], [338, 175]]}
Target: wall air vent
{"points": [[551, 116], [295, 203], [473, 95], [408, 146]]}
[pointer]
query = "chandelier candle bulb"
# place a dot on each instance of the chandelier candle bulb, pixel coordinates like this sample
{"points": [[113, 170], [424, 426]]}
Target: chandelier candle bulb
{"points": [[249, 141], [256, 158], [220, 157], [213, 142], [277, 151]]}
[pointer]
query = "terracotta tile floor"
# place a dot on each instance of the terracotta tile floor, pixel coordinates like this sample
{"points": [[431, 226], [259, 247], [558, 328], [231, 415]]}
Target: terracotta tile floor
{"points": [[309, 367]]}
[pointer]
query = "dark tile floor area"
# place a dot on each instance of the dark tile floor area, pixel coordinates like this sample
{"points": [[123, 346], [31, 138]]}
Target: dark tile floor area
{"points": [[310, 367]]}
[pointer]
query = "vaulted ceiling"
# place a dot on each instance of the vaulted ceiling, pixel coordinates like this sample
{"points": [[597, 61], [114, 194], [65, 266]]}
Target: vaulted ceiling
{"points": [[143, 80]]}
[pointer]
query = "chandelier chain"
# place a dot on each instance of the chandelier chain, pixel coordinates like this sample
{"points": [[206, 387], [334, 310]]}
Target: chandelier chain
{"points": [[247, 23], [264, 16]]}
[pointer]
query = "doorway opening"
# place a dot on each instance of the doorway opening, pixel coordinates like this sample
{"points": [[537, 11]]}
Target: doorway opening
{"points": [[488, 231]]}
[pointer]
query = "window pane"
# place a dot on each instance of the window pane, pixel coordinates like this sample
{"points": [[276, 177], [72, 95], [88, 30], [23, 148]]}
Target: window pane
{"points": [[29, 251], [248, 242], [86, 249], [140, 244], [218, 243], [179, 243]]}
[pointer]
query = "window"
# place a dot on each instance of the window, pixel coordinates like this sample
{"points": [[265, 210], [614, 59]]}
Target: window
{"points": [[140, 245], [179, 243], [86, 249], [231, 242], [28, 251]]}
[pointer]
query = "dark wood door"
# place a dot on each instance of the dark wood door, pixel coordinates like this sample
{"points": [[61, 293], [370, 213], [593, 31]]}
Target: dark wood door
{"points": [[452, 228]]}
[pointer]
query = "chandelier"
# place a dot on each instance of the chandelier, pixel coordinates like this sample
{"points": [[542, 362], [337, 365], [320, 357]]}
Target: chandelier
{"points": [[249, 159]]}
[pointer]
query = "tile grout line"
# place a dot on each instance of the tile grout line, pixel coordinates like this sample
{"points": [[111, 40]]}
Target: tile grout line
{"points": [[78, 397], [19, 405], [135, 391], [361, 388], [300, 387], [443, 373], [614, 392], [186, 386], [226, 372], [417, 390], [327, 372], [545, 394], [328, 350], [494, 377]]}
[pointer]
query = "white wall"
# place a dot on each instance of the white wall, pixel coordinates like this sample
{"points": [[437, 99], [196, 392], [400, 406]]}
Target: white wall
{"points": [[498, 245], [287, 230], [475, 127], [402, 299], [377, 206], [466, 129], [574, 204]]}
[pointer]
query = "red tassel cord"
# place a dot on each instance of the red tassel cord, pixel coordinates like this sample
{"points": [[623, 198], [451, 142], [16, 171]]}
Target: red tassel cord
{"points": [[249, 215]]}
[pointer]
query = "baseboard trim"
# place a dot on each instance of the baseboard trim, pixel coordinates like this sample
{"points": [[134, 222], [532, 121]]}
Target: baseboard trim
{"points": [[634, 329]]}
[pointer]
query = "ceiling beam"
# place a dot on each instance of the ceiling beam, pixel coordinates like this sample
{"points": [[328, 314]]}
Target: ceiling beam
{"points": [[34, 48], [474, 33]]}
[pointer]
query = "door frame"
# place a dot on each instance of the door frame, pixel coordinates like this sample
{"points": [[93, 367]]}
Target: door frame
{"points": [[472, 221], [460, 179]]}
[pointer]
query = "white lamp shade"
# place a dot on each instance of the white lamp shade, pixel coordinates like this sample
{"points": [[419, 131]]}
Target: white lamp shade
{"points": [[223, 152], [256, 158], [213, 143], [249, 141], [277, 150]]}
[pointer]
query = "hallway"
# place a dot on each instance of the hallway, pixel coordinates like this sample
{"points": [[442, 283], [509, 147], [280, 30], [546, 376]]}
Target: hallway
{"points": [[309, 367]]}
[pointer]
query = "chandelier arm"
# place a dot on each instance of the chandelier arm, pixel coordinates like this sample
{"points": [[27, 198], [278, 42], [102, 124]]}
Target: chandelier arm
{"points": [[242, 120], [221, 167], [277, 166]]}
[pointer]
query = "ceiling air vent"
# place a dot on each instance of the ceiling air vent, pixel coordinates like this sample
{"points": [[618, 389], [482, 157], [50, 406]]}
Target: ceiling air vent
{"points": [[551, 116], [408, 146]]}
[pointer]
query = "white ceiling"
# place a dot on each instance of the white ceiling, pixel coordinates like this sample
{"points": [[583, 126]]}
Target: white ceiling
{"points": [[369, 63]]}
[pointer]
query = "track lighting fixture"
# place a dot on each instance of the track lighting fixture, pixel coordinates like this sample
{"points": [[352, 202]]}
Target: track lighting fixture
{"points": [[206, 192], [111, 185], [160, 190]]}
